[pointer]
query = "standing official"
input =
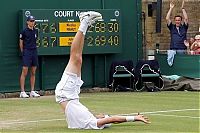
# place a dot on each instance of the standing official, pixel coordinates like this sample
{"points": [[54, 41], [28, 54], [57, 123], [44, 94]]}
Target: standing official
{"points": [[28, 49]]}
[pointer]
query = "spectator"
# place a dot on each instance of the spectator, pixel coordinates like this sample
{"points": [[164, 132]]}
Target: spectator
{"points": [[196, 45], [188, 44], [178, 30]]}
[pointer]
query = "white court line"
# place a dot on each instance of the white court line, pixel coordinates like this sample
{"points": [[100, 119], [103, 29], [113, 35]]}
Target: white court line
{"points": [[25, 122], [177, 116], [49, 120], [162, 111]]}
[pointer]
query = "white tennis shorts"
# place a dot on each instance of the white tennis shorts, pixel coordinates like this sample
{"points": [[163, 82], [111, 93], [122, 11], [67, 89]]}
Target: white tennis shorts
{"points": [[79, 117], [68, 87]]}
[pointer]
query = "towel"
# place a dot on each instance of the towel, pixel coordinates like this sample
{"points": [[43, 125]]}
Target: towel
{"points": [[170, 57], [172, 77]]}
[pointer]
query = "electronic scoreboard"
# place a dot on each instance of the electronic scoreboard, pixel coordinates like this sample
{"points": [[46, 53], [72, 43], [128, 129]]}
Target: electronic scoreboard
{"points": [[57, 28]]}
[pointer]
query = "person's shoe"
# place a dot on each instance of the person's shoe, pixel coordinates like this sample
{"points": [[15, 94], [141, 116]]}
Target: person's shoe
{"points": [[90, 17], [34, 94], [23, 95]]}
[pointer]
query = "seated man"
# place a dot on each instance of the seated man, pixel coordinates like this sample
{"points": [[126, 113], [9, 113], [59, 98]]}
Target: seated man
{"points": [[68, 89]]}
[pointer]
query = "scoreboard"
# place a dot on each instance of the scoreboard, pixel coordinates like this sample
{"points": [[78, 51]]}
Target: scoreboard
{"points": [[57, 28]]}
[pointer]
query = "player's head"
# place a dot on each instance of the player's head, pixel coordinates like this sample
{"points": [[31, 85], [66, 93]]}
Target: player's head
{"points": [[31, 21], [178, 20]]}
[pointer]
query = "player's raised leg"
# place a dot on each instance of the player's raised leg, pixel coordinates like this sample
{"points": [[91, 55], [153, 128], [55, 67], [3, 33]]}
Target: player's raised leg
{"points": [[75, 62], [69, 86]]}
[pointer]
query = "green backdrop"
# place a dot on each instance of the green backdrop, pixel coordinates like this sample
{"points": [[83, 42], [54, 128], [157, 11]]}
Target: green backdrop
{"points": [[95, 71]]}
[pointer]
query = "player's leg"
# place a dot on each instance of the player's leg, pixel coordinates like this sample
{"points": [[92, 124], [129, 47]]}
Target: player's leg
{"points": [[121, 119], [75, 62], [73, 68]]}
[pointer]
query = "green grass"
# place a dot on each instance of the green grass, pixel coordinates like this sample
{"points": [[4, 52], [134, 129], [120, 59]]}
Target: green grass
{"points": [[44, 115]]}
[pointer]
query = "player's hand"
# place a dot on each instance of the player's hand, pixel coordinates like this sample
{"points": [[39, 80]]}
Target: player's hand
{"points": [[142, 118], [172, 4]]}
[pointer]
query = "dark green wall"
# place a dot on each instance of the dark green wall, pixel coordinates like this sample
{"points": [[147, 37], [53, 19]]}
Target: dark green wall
{"points": [[95, 69], [183, 64]]}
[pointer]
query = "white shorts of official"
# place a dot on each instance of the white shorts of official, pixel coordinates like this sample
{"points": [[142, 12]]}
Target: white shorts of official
{"points": [[68, 87], [79, 117]]}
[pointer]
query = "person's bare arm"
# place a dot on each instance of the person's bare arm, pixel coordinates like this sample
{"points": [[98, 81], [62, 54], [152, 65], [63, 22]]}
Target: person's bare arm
{"points": [[169, 13], [185, 16], [121, 119], [21, 45]]}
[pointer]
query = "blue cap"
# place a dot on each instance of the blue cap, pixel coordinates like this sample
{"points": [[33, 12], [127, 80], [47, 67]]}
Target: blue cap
{"points": [[29, 18]]}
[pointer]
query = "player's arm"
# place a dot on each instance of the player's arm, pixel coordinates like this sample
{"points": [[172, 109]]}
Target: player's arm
{"points": [[120, 119], [185, 16], [169, 13]]}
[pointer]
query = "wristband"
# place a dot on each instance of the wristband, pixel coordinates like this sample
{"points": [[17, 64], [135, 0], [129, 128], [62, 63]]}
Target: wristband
{"points": [[130, 118]]}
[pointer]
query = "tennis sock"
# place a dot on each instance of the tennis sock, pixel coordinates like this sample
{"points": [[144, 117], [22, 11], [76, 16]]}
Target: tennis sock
{"points": [[83, 27]]}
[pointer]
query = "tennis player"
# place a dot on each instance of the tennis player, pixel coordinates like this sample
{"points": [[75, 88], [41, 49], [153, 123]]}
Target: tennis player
{"points": [[68, 89]]}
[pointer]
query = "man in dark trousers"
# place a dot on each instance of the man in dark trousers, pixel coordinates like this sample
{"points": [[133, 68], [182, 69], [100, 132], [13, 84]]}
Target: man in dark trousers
{"points": [[28, 49]]}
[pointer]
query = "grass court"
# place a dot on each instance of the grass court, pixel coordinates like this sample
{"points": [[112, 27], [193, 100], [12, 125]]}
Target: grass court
{"points": [[169, 112]]}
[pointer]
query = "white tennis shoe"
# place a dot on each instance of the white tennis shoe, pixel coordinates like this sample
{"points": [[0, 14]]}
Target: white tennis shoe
{"points": [[90, 17], [34, 94], [23, 95]]}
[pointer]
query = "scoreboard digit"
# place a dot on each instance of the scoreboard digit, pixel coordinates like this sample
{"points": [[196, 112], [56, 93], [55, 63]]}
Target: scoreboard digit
{"points": [[57, 28]]}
